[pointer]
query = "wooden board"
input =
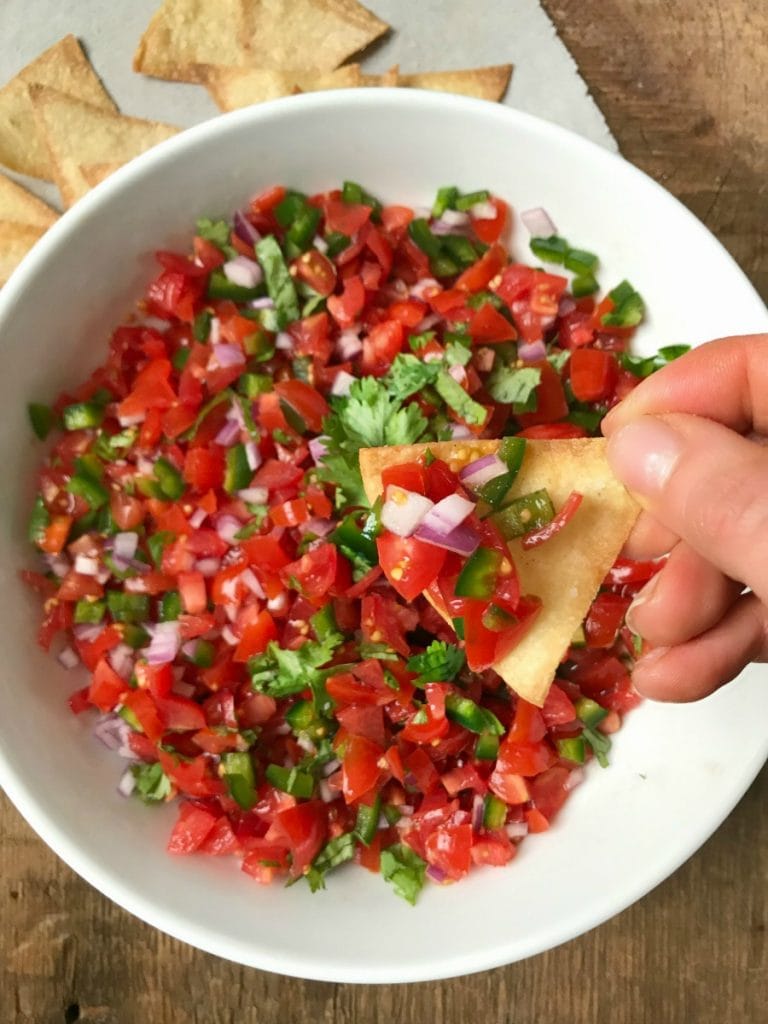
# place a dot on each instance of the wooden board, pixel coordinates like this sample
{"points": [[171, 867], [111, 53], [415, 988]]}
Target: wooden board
{"points": [[683, 88]]}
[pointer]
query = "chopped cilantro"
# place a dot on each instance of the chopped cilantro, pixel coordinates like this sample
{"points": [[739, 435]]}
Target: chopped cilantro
{"points": [[404, 870], [216, 231], [279, 282], [454, 396], [600, 744], [409, 375], [335, 852], [152, 784], [510, 384], [381, 651], [440, 663], [280, 672]]}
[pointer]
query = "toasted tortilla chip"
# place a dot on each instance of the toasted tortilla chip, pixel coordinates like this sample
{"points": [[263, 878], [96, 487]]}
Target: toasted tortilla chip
{"points": [[80, 135], [94, 174], [185, 36], [316, 35], [232, 88], [566, 571], [15, 242], [63, 66], [19, 206], [483, 83]]}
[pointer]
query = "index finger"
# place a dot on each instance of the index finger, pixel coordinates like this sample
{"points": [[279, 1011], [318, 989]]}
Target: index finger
{"points": [[725, 380]]}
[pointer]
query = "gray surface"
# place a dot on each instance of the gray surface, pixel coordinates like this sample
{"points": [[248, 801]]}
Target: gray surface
{"points": [[427, 35]]}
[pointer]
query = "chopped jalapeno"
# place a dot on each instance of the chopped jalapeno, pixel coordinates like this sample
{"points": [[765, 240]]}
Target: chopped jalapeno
{"points": [[526, 513]]}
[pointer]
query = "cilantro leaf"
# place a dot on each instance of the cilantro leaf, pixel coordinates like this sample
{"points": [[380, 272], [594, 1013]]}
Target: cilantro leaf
{"points": [[216, 231], [600, 744], [407, 375], [440, 663], [457, 353], [279, 672], [404, 870], [454, 396], [152, 784], [510, 384], [335, 852], [279, 282]]}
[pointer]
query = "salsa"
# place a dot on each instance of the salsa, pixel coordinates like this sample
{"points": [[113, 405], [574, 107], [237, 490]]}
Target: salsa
{"points": [[254, 633]]}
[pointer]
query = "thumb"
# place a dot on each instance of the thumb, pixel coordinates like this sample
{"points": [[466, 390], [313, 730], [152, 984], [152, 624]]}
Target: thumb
{"points": [[704, 482]]}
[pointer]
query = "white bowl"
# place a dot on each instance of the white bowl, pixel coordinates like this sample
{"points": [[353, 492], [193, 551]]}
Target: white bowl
{"points": [[676, 772]]}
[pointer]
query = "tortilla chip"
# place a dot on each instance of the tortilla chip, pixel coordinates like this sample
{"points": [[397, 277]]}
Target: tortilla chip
{"points": [[316, 35], [63, 66], [19, 206], [483, 83], [80, 135], [94, 174], [566, 571], [232, 88], [15, 242], [184, 36]]}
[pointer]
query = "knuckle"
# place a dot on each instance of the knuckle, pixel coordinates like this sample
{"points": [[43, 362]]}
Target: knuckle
{"points": [[729, 505]]}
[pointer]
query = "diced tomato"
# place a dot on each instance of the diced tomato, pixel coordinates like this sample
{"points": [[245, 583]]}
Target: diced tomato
{"points": [[409, 564], [306, 403], [495, 850], [193, 594], [316, 270], [346, 218], [380, 346], [410, 476], [107, 687], [488, 326], [257, 630], [314, 573], [480, 274], [347, 307], [489, 229], [192, 828], [604, 619], [593, 374], [364, 720], [551, 404], [548, 791], [558, 708], [449, 849], [305, 827]]}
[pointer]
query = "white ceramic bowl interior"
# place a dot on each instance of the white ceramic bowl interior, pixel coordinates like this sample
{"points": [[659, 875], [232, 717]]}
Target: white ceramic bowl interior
{"points": [[676, 772]]}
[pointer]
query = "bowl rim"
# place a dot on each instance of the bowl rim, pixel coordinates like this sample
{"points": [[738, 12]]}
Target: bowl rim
{"points": [[100, 876]]}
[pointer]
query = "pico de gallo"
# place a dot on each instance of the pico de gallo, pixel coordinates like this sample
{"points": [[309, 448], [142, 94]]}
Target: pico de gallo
{"points": [[254, 640]]}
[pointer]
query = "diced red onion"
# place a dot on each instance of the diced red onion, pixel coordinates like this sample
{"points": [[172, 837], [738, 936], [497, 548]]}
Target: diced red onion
{"points": [[349, 344], [478, 812], [318, 527], [229, 636], [479, 472], [265, 302], [127, 783], [330, 767], [436, 874], [113, 732], [516, 829], [455, 217], [483, 211], [426, 286], [566, 305], [249, 578], [165, 643], [189, 648], [403, 511], [306, 744], [422, 212], [229, 589], [320, 244], [228, 434], [538, 222], [68, 657], [244, 230], [124, 545], [342, 382], [448, 513], [575, 778], [458, 373], [88, 631], [183, 689], [86, 566], [229, 355], [227, 526], [532, 351], [254, 495], [460, 817], [155, 323], [318, 449], [459, 431], [433, 357], [197, 518], [58, 564], [284, 341], [484, 358], [243, 272], [132, 421], [278, 604], [405, 809], [145, 466], [442, 227], [326, 793], [427, 323], [208, 566], [463, 540], [253, 455], [214, 331]]}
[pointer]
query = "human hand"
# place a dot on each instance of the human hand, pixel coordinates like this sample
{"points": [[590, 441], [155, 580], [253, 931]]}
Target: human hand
{"points": [[681, 443]]}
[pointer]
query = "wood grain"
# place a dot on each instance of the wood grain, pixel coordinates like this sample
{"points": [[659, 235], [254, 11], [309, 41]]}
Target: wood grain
{"points": [[682, 84]]}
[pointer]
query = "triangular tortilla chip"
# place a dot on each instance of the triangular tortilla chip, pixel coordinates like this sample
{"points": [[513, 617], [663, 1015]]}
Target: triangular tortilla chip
{"points": [[80, 135], [19, 206], [63, 66], [232, 88], [94, 174], [483, 83], [15, 242], [314, 35], [566, 571]]}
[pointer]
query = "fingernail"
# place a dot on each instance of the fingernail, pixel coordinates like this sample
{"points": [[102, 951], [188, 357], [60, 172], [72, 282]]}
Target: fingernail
{"points": [[642, 597], [643, 454], [647, 660]]}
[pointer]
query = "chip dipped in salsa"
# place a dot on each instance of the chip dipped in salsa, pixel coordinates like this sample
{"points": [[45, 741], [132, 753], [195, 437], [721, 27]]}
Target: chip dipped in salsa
{"points": [[236, 610]]}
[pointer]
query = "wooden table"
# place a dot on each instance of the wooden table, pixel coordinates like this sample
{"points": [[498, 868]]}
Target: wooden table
{"points": [[682, 85]]}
